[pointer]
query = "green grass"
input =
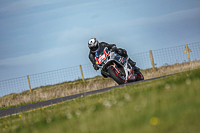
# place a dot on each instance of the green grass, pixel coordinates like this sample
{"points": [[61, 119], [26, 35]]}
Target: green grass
{"points": [[170, 104]]}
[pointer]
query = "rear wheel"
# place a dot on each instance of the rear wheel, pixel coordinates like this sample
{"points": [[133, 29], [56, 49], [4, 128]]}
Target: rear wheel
{"points": [[139, 75], [116, 76]]}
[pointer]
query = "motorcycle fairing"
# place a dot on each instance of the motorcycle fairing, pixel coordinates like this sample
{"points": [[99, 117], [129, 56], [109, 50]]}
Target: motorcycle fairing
{"points": [[106, 58], [124, 63], [101, 55]]}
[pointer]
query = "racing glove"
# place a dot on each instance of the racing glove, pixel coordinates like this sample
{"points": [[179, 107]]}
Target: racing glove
{"points": [[95, 67]]}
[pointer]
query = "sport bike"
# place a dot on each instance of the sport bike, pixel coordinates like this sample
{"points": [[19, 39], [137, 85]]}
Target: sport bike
{"points": [[117, 67]]}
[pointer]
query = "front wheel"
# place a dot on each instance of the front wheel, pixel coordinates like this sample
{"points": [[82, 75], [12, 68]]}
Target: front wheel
{"points": [[115, 75]]}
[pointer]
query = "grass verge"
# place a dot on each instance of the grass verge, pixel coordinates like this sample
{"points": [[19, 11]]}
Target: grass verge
{"points": [[170, 104]]}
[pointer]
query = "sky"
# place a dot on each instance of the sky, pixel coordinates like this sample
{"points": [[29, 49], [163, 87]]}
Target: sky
{"points": [[43, 35]]}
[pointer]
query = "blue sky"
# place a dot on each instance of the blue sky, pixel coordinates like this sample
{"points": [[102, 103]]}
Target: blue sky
{"points": [[44, 35]]}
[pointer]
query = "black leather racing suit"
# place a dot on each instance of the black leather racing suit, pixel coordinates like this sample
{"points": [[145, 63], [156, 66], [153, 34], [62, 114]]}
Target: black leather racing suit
{"points": [[120, 51]]}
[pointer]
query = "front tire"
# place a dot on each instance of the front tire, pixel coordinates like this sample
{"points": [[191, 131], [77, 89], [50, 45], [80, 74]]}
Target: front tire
{"points": [[114, 75]]}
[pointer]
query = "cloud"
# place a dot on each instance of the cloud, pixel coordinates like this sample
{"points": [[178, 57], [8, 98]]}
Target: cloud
{"points": [[171, 17], [33, 58], [77, 34], [24, 4], [65, 52], [21, 6], [197, 3]]}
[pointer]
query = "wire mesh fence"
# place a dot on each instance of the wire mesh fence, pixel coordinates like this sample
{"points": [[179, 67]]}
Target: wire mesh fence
{"points": [[161, 57], [195, 48], [15, 85], [55, 77], [142, 60], [89, 71], [169, 56]]}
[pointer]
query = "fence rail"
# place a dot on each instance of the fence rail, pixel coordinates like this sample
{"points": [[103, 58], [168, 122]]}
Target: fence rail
{"points": [[145, 60]]}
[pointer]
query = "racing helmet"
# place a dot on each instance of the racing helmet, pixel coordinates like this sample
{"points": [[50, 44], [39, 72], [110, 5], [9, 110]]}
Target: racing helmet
{"points": [[93, 45]]}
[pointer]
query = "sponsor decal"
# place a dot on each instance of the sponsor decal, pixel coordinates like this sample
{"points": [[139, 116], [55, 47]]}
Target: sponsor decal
{"points": [[102, 58]]}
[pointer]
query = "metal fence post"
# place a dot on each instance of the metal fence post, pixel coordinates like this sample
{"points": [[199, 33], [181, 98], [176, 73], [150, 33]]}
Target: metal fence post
{"points": [[29, 83], [82, 73], [151, 57]]}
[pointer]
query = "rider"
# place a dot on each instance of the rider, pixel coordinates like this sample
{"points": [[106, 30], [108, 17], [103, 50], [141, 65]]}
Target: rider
{"points": [[94, 45]]}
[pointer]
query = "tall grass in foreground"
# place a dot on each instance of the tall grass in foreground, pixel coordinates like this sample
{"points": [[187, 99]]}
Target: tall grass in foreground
{"points": [[170, 104], [69, 88]]}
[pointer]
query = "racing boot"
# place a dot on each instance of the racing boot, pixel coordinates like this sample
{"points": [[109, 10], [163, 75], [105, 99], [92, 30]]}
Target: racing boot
{"points": [[132, 63]]}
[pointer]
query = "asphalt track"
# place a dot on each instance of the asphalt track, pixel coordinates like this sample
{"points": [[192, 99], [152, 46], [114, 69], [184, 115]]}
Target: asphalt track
{"points": [[19, 109]]}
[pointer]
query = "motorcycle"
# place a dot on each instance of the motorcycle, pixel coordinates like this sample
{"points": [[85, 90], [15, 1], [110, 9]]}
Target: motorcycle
{"points": [[117, 67]]}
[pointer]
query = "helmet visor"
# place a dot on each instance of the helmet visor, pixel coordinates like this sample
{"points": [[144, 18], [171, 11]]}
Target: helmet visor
{"points": [[94, 48]]}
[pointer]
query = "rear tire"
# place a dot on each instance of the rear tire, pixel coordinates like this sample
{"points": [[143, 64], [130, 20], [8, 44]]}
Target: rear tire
{"points": [[114, 75], [140, 75]]}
